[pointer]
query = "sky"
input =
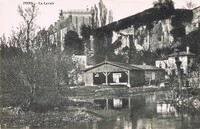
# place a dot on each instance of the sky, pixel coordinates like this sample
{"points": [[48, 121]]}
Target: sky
{"points": [[48, 14]]}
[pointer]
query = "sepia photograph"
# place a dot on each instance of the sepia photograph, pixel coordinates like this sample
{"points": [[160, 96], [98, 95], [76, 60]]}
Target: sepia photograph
{"points": [[100, 64]]}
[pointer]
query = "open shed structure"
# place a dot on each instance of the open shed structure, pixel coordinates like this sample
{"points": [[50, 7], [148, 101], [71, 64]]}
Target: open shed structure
{"points": [[114, 73]]}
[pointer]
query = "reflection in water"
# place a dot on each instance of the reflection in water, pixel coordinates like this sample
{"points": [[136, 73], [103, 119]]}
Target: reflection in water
{"points": [[166, 110], [144, 124], [139, 112], [127, 125], [117, 103], [142, 112], [26, 127]]}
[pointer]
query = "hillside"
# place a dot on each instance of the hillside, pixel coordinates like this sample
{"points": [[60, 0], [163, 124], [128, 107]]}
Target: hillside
{"points": [[137, 38]]}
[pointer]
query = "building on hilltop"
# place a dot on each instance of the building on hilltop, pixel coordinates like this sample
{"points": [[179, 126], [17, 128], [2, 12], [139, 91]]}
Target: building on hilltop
{"points": [[68, 20], [78, 18]]}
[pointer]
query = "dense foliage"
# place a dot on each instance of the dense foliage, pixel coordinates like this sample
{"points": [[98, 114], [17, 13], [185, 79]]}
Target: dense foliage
{"points": [[86, 32], [167, 4], [32, 79], [193, 41], [73, 43]]}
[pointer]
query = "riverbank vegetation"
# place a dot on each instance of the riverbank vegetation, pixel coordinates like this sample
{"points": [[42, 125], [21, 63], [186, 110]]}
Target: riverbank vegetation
{"points": [[185, 97], [59, 117]]}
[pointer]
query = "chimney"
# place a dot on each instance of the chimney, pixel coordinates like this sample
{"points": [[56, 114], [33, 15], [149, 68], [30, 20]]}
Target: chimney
{"points": [[187, 50]]}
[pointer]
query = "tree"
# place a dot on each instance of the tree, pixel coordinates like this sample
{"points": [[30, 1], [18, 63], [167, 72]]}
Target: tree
{"points": [[100, 15], [96, 19], [29, 15], [18, 37], [189, 4], [73, 44], [27, 78], [103, 13], [165, 4], [110, 17], [86, 32], [41, 41], [193, 41], [10, 76]]}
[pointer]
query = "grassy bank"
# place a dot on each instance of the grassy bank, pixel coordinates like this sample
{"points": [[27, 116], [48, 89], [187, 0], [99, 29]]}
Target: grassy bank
{"points": [[75, 112], [49, 119]]}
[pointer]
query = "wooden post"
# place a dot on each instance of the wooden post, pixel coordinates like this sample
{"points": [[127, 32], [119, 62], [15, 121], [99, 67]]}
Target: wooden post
{"points": [[129, 103], [129, 80], [106, 75], [106, 78], [107, 103]]}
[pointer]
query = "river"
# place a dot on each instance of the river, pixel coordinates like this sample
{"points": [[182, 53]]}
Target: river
{"points": [[148, 111]]}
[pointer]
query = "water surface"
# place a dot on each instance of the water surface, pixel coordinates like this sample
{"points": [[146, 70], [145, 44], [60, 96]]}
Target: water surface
{"points": [[149, 111]]}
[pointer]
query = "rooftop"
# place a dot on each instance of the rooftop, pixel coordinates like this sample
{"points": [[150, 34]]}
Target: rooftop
{"points": [[147, 67], [76, 10], [117, 64], [125, 66], [183, 53]]}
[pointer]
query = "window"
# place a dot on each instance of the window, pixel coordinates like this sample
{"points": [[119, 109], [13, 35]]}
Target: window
{"points": [[116, 77]]}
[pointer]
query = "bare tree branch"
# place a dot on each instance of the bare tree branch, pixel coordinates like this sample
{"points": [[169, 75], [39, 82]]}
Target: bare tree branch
{"points": [[29, 15]]}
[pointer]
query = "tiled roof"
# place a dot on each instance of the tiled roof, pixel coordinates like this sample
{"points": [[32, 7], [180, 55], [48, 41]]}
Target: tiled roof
{"points": [[184, 53], [125, 66], [147, 67], [117, 64]]}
